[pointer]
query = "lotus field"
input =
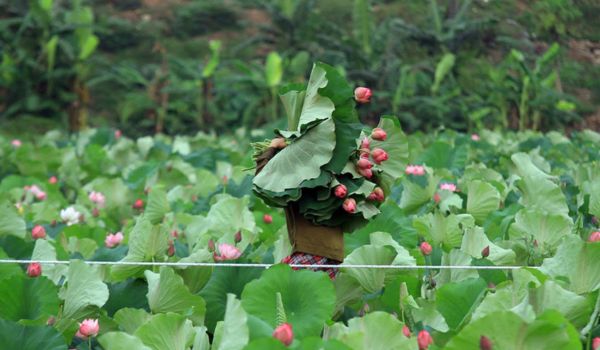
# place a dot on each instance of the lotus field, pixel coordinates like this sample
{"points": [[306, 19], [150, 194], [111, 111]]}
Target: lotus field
{"points": [[529, 202]]}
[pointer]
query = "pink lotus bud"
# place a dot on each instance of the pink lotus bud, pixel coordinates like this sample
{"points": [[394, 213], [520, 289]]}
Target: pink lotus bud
{"points": [[95, 212], [118, 134], [16, 143], [34, 269], [138, 204], [284, 334], [38, 231], [365, 154], [364, 163], [267, 219], [436, 198], [406, 331], [448, 187], [368, 173], [379, 134], [379, 155], [485, 252], [491, 285], [88, 328], [425, 248], [40, 195], [340, 191], [474, 137], [174, 234], [485, 343], [365, 144], [237, 238], [594, 237], [227, 252], [362, 94], [171, 250], [51, 321], [595, 220], [211, 245], [97, 198], [225, 180], [349, 205], [424, 340], [52, 180], [364, 310], [377, 195], [53, 223], [113, 240], [596, 343]]}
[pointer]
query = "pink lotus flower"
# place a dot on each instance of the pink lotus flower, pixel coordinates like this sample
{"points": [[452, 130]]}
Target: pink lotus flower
{"points": [[365, 144], [594, 237], [284, 334], [418, 170], [340, 191], [227, 252], [596, 343], [88, 328], [485, 343], [424, 339], [448, 187], [368, 173], [113, 240], [425, 248], [267, 219], [377, 195], [379, 155], [406, 331], [97, 198], [349, 205], [362, 94], [379, 134], [118, 134], [16, 143], [474, 137], [37, 192], [34, 269], [38, 231], [52, 180]]}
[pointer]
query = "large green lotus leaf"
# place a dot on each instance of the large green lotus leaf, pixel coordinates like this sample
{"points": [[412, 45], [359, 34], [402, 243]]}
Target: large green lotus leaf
{"points": [[44, 250], [227, 216], [347, 123], [506, 298], [371, 280], [375, 331], [312, 343], [578, 261], [547, 228], [121, 341], [475, 240], [14, 336], [396, 146], [158, 205], [129, 320], [26, 298], [11, 223], [201, 341], [403, 257], [551, 296], [525, 167], [482, 199], [457, 300], [167, 293], [414, 196], [129, 293], [266, 344], [506, 330], [347, 290], [315, 107], [146, 243], [455, 257], [301, 160], [168, 331], [292, 103], [440, 155], [234, 333], [224, 280], [117, 193], [444, 230], [84, 289], [308, 298], [595, 197]]}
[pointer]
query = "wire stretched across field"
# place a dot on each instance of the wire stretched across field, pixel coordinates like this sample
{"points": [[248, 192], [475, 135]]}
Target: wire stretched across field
{"points": [[266, 266]]}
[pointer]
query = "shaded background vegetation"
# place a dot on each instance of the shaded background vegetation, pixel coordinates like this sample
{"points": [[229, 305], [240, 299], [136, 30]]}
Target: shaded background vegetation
{"points": [[177, 66]]}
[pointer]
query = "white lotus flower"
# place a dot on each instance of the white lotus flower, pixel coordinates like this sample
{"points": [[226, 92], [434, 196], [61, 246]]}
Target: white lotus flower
{"points": [[70, 216]]}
